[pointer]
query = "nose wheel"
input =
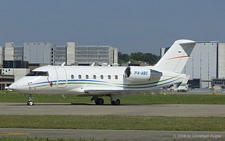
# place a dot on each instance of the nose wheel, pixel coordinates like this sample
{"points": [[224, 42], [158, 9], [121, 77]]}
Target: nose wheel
{"points": [[30, 100]]}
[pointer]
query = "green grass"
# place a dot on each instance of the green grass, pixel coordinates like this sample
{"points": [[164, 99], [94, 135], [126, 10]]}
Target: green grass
{"points": [[7, 96], [113, 122]]}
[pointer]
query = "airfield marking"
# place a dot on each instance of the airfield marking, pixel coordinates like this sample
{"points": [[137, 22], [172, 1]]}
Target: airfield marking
{"points": [[13, 133]]}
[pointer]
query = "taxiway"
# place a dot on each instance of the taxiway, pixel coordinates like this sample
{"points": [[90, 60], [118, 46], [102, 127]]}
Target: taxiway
{"points": [[181, 110]]}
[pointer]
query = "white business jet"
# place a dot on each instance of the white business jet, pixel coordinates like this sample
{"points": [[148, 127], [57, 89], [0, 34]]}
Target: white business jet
{"points": [[107, 81]]}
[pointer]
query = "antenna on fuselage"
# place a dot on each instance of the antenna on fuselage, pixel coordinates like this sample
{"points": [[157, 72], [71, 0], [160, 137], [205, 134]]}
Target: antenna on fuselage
{"points": [[63, 63], [94, 63]]}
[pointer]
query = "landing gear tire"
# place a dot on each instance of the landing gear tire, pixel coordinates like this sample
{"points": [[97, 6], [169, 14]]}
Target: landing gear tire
{"points": [[30, 100], [99, 101], [30, 103], [117, 102], [114, 100]]}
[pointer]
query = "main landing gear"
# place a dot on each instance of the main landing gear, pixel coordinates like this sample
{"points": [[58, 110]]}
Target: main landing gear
{"points": [[96, 98], [100, 101], [114, 100], [30, 100]]}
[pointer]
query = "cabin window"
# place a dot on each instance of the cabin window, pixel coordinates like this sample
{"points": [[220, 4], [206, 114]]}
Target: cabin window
{"points": [[87, 77], [116, 76], [101, 76], [72, 76], [38, 73], [79, 76], [109, 76], [94, 76], [42, 73]]}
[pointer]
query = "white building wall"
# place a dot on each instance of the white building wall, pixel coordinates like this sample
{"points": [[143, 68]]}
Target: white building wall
{"points": [[40, 55], [9, 51], [115, 55], [221, 60], [212, 71], [1, 56], [196, 63], [59, 55], [202, 63], [162, 51], [100, 54], [70, 53], [110, 55], [9, 44], [37, 52], [17, 72]]}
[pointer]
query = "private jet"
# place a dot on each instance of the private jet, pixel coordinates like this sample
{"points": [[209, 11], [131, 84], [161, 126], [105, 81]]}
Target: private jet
{"points": [[97, 81]]}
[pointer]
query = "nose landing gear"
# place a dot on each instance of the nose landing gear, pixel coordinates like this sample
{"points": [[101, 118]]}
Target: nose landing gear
{"points": [[30, 100]]}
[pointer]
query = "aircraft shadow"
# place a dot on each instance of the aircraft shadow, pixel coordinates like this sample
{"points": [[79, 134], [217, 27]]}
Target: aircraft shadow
{"points": [[74, 104]]}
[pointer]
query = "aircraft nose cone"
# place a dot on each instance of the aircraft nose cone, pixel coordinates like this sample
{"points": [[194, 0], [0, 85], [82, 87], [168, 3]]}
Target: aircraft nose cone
{"points": [[12, 86], [16, 87]]}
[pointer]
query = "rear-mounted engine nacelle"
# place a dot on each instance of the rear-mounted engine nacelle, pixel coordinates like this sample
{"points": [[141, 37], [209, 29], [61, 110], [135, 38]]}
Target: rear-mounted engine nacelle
{"points": [[133, 73]]}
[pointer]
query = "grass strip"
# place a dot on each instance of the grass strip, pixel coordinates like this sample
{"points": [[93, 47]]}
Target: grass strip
{"points": [[7, 96], [113, 122]]}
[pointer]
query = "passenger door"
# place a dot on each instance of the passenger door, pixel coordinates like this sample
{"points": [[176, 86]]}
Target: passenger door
{"points": [[61, 76]]}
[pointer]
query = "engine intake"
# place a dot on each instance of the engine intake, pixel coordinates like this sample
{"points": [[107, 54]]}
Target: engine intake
{"points": [[134, 73]]}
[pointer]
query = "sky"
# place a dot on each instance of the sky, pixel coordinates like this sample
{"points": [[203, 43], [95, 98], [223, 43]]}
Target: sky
{"points": [[129, 25]]}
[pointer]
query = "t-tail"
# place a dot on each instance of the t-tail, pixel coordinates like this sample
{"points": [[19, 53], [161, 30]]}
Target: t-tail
{"points": [[177, 56]]}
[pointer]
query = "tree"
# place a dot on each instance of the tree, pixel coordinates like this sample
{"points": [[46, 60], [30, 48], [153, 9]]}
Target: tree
{"points": [[137, 56], [149, 58], [123, 58]]}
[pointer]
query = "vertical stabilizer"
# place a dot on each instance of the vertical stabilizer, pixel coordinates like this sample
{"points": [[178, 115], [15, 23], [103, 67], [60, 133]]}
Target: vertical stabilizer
{"points": [[176, 57]]}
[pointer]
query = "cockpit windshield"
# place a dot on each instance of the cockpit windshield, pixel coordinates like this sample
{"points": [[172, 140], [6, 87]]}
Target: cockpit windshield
{"points": [[38, 73]]}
